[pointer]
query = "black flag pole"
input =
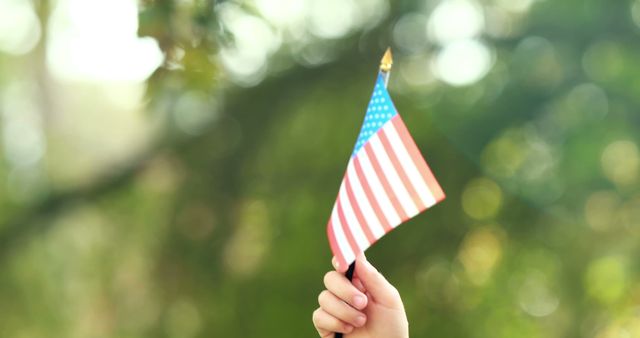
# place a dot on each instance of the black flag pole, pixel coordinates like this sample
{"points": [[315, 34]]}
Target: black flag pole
{"points": [[385, 71]]}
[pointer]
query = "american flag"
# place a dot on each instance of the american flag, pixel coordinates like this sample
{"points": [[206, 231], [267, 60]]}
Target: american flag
{"points": [[387, 181]]}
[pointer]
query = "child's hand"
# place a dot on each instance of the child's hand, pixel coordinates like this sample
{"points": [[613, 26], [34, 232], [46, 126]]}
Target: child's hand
{"points": [[367, 307]]}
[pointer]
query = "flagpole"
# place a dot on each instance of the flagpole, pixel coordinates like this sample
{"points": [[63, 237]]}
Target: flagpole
{"points": [[385, 66], [385, 71]]}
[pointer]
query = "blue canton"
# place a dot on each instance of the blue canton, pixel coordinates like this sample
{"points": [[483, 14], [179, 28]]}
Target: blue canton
{"points": [[379, 111]]}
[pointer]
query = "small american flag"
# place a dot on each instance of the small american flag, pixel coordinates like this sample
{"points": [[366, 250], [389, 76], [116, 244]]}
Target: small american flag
{"points": [[386, 183]]}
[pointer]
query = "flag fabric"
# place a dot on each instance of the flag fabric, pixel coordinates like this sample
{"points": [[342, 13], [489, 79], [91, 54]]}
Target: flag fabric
{"points": [[387, 181]]}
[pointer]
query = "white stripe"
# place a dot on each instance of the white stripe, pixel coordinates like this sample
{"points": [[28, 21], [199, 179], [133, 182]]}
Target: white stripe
{"points": [[378, 191], [394, 180], [409, 165], [341, 239], [352, 221], [363, 202]]}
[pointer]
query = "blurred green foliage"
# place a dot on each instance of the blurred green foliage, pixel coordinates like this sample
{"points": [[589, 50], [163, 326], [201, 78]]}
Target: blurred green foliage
{"points": [[193, 203]]}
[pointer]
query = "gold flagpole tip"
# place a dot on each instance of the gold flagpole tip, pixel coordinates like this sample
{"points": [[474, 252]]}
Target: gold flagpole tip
{"points": [[387, 61]]}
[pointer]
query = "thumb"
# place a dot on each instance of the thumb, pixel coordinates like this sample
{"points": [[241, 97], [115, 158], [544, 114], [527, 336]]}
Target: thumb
{"points": [[376, 285]]}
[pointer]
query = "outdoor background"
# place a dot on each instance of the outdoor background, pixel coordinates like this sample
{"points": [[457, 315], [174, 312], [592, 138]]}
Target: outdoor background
{"points": [[168, 167]]}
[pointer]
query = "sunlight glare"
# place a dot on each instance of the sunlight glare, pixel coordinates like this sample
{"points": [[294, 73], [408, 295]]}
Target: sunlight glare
{"points": [[20, 28], [93, 40], [454, 20], [463, 63]]}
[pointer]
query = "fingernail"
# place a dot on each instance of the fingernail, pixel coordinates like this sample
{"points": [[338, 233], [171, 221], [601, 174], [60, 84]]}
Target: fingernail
{"points": [[359, 301], [348, 328], [360, 320], [335, 262]]}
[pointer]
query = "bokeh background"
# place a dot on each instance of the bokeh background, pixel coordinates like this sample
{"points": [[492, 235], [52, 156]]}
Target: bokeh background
{"points": [[168, 167]]}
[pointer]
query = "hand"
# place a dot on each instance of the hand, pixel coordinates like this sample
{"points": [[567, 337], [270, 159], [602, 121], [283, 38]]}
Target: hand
{"points": [[367, 307]]}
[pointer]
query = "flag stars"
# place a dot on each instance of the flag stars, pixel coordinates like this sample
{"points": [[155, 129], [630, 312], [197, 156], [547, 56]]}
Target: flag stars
{"points": [[379, 112]]}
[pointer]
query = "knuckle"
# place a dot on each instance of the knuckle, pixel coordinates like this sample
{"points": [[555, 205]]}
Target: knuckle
{"points": [[394, 292], [327, 278], [322, 297], [315, 316]]}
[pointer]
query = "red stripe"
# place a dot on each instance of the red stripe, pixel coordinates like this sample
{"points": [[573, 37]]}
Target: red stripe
{"points": [[356, 210], [372, 200], [345, 228], [419, 161], [385, 184], [400, 170], [335, 248]]}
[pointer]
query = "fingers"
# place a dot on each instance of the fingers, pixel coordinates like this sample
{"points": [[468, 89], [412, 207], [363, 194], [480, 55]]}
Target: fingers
{"points": [[327, 324], [342, 288], [376, 285], [341, 310], [336, 265]]}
